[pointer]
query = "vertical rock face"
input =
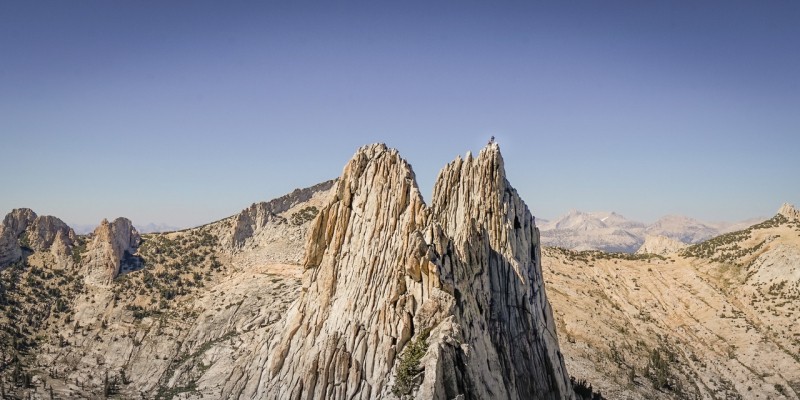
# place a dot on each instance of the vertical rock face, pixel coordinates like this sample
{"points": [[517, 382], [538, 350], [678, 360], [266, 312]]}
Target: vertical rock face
{"points": [[493, 263], [788, 211], [45, 231], [383, 269], [341, 337], [108, 247], [14, 224]]}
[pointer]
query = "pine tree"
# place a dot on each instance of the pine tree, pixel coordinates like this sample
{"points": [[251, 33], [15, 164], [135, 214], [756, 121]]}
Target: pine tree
{"points": [[106, 387]]}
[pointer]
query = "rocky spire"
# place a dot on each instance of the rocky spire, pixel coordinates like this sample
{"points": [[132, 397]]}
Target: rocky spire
{"points": [[40, 234], [14, 224], [493, 263], [661, 245], [46, 230], [788, 211], [382, 269], [341, 337], [109, 244]]}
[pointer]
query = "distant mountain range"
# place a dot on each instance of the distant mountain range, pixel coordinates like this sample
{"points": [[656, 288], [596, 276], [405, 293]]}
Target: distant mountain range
{"points": [[149, 228], [612, 232]]}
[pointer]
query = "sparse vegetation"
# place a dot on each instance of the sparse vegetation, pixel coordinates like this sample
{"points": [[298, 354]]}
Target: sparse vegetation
{"points": [[588, 256], [584, 391], [304, 215], [78, 249], [726, 247], [409, 365]]}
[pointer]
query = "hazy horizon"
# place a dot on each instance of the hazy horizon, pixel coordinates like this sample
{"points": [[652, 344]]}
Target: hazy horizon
{"points": [[184, 113]]}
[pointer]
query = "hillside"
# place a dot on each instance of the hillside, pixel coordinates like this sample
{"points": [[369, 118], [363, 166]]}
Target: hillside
{"points": [[713, 321], [253, 306], [356, 287], [170, 307]]}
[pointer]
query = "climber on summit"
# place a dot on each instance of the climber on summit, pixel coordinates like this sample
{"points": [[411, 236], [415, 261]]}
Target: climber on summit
{"points": [[491, 140]]}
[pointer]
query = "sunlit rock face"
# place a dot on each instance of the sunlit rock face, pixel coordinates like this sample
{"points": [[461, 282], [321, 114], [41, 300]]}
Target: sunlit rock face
{"points": [[383, 269], [109, 243], [14, 224], [788, 211]]}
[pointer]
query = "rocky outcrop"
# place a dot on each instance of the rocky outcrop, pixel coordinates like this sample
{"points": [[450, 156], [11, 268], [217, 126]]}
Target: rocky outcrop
{"points": [[14, 224], [660, 245], [788, 211], [382, 269], [257, 216], [109, 244], [494, 263], [46, 231], [22, 227]]}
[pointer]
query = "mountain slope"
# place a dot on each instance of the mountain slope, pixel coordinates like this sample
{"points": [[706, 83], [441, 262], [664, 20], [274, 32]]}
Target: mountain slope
{"points": [[396, 298], [716, 320]]}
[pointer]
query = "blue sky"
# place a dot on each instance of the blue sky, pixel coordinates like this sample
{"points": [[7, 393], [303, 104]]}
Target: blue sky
{"points": [[187, 112]]}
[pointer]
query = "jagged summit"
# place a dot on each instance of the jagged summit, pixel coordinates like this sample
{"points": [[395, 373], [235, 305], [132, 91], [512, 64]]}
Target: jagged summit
{"points": [[14, 224], [583, 221], [382, 270], [22, 228], [788, 211]]}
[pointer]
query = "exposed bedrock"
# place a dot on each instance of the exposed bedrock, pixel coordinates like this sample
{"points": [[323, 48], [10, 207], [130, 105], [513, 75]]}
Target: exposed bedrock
{"points": [[110, 242], [383, 269]]}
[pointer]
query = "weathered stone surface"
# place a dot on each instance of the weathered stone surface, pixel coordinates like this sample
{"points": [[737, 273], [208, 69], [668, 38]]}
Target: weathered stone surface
{"points": [[109, 244], [660, 245], [14, 224], [788, 211], [44, 231], [381, 267], [254, 218], [493, 263]]}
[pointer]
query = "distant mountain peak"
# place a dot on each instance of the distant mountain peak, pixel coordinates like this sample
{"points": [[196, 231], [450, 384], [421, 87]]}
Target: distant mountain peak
{"points": [[603, 230], [155, 228]]}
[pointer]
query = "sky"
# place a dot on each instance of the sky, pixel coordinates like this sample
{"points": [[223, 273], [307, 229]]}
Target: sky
{"points": [[186, 112]]}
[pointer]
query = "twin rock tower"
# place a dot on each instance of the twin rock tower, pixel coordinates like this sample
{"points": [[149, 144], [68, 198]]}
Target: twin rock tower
{"points": [[383, 269]]}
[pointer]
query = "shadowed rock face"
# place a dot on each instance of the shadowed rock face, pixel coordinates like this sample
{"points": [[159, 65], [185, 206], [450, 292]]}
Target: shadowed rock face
{"points": [[495, 269], [382, 268], [109, 244]]}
